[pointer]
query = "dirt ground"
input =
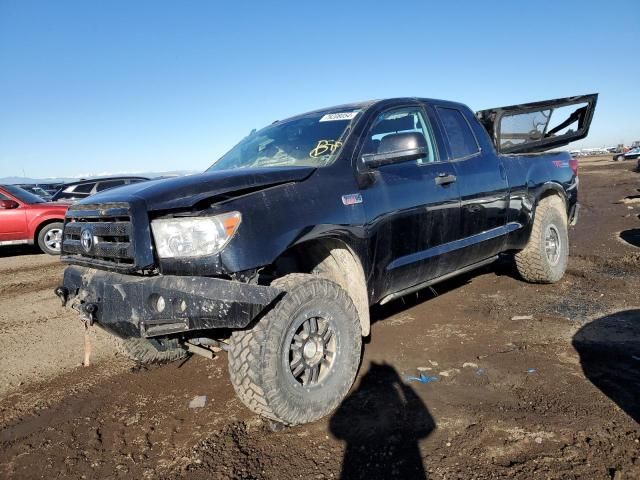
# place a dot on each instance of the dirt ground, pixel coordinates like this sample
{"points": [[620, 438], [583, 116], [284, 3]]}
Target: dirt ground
{"points": [[518, 380]]}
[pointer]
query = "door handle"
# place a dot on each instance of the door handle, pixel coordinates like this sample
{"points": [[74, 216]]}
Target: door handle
{"points": [[444, 179]]}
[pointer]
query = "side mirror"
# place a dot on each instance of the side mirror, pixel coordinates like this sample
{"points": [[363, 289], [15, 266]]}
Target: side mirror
{"points": [[8, 204], [396, 148]]}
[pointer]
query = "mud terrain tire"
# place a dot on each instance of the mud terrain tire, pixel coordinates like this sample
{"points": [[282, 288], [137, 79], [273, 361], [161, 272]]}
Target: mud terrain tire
{"points": [[544, 259], [314, 324], [147, 351]]}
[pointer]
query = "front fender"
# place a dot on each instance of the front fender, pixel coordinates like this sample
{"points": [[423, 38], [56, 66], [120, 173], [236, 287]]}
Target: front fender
{"points": [[279, 218], [35, 221]]}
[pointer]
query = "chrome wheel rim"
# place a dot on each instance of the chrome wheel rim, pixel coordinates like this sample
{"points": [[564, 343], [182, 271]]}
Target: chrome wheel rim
{"points": [[552, 244], [53, 239], [311, 352]]}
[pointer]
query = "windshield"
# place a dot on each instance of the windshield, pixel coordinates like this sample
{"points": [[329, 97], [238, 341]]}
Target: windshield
{"points": [[23, 195], [40, 192], [311, 140], [35, 190]]}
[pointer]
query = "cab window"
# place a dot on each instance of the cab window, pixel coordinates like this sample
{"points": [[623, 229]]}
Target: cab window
{"points": [[462, 141], [398, 121]]}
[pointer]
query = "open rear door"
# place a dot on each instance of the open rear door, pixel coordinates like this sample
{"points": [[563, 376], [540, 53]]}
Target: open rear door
{"points": [[539, 126]]}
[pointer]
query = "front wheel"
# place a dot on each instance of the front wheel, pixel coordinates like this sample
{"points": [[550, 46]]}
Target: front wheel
{"points": [[544, 259], [298, 362], [620, 158], [50, 238]]}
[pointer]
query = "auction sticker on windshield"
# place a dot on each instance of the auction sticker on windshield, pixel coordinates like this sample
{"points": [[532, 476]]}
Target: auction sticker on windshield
{"points": [[331, 117]]}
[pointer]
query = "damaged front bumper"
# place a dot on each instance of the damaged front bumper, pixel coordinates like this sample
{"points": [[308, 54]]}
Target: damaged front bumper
{"points": [[144, 306]]}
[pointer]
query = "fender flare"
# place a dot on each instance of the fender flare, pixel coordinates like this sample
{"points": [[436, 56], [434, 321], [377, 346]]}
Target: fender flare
{"points": [[546, 189], [336, 259]]}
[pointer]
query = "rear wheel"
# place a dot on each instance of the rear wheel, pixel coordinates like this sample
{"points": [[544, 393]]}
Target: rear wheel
{"points": [[544, 259], [150, 350], [50, 238], [298, 362]]}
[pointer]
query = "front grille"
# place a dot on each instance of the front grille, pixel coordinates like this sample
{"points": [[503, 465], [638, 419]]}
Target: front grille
{"points": [[100, 235]]}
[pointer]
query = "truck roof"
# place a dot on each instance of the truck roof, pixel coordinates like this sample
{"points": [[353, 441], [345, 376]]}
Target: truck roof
{"points": [[363, 105]]}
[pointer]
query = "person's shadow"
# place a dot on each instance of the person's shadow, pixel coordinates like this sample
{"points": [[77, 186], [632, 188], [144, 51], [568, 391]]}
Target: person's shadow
{"points": [[609, 350], [381, 423]]}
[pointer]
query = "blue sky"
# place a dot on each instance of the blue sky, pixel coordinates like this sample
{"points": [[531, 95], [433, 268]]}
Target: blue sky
{"points": [[91, 87]]}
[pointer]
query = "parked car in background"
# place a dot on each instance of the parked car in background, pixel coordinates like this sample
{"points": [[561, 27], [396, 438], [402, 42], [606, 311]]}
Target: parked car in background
{"points": [[25, 218], [50, 188], [632, 154], [37, 190], [84, 188]]}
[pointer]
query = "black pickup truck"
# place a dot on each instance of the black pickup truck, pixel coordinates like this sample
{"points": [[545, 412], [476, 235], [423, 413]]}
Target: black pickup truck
{"points": [[277, 251]]}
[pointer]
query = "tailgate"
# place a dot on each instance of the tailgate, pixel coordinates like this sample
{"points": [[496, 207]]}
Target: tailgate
{"points": [[539, 126]]}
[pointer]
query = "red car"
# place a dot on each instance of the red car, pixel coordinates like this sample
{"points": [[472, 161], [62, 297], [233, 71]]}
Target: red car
{"points": [[27, 218]]}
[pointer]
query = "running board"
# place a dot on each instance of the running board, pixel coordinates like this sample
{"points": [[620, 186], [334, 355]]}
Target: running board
{"points": [[428, 283]]}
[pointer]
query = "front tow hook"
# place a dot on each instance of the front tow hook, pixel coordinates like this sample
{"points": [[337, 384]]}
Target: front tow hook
{"points": [[63, 294], [88, 312]]}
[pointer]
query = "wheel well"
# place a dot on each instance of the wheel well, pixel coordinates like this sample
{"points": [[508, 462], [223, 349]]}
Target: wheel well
{"points": [[334, 260], [552, 192], [44, 224]]}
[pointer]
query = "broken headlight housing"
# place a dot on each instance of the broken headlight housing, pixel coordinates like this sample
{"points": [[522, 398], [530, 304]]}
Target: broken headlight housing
{"points": [[184, 237]]}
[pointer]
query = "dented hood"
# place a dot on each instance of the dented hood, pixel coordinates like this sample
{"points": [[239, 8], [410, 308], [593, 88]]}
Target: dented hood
{"points": [[185, 192]]}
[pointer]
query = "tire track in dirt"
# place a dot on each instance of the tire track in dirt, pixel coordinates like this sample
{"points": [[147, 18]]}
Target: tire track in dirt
{"points": [[32, 279], [20, 270], [38, 338]]}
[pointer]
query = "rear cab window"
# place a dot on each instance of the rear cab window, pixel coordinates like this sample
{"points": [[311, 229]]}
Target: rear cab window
{"points": [[462, 141]]}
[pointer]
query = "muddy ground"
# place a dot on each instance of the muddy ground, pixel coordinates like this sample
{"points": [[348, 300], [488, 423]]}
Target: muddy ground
{"points": [[533, 381]]}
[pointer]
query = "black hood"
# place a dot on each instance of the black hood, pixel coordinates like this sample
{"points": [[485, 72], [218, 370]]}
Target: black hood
{"points": [[185, 192]]}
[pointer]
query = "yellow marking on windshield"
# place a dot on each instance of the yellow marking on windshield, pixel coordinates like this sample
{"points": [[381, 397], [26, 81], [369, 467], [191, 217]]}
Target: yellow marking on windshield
{"points": [[325, 146]]}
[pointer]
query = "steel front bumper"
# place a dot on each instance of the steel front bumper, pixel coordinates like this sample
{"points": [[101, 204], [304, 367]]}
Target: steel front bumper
{"points": [[128, 305]]}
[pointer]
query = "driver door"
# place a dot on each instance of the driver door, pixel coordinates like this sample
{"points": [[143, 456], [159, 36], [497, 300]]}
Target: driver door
{"points": [[13, 221], [412, 207]]}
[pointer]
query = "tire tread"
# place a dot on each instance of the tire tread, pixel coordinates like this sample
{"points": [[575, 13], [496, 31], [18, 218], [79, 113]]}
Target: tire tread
{"points": [[530, 262], [255, 384]]}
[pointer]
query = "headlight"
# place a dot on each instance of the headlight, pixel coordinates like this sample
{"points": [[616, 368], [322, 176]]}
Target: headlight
{"points": [[194, 236]]}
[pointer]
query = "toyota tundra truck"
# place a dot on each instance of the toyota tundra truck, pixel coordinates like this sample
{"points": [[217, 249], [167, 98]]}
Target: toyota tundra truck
{"points": [[276, 252]]}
